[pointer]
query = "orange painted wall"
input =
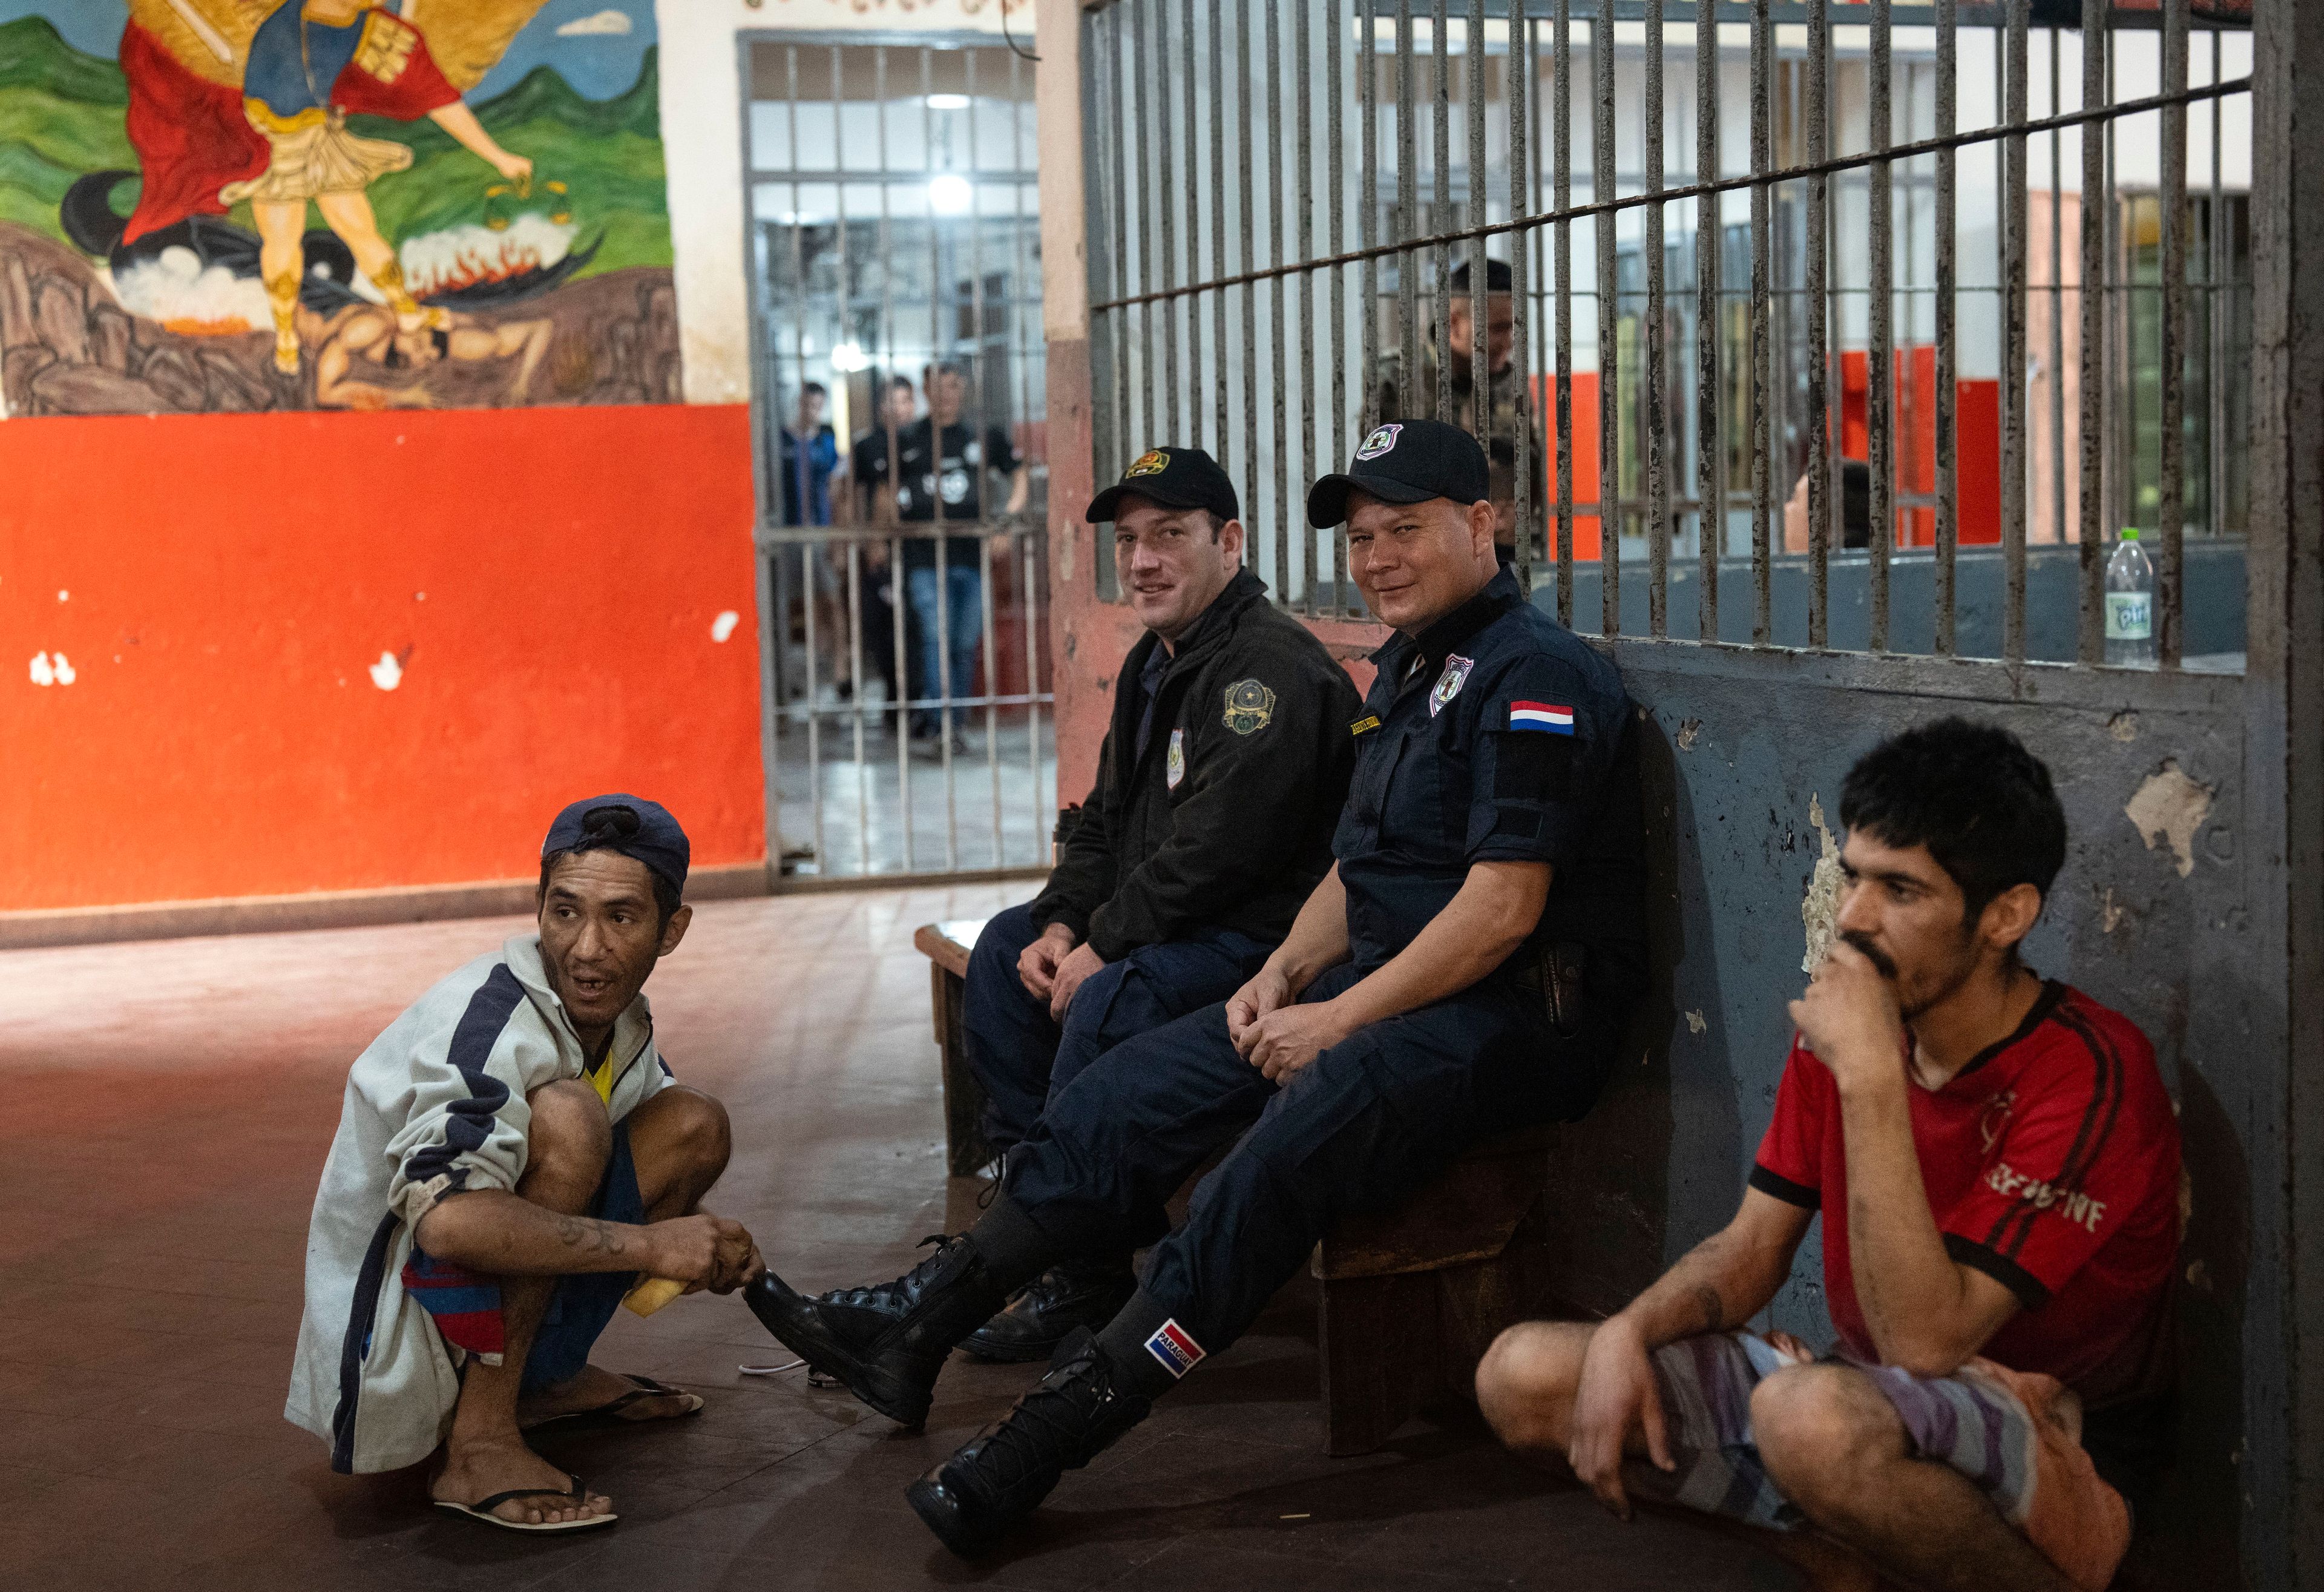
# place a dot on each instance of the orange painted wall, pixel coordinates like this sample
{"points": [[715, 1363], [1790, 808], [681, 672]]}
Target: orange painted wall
{"points": [[1978, 418], [230, 580]]}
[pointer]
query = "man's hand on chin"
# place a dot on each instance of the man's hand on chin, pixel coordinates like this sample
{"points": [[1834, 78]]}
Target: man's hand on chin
{"points": [[1849, 1018]]}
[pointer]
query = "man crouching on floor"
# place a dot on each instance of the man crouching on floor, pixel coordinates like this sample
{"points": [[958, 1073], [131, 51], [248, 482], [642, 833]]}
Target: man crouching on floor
{"points": [[1996, 1165], [513, 1156]]}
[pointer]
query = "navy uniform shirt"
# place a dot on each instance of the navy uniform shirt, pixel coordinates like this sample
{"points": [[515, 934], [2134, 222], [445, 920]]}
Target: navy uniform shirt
{"points": [[1496, 736]]}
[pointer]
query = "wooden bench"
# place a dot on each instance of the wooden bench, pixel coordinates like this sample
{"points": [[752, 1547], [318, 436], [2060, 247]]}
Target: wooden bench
{"points": [[1411, 1297]]}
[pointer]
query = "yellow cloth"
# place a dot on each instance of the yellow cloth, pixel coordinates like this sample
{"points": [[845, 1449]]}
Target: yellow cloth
{"points": [[601, 1077]]}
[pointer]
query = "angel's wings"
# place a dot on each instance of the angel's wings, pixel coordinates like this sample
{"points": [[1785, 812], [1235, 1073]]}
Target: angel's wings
{"points": [[211, 38], [468, 37]]}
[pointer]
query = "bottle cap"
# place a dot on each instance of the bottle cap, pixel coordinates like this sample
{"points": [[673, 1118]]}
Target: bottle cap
{"points": [[2130, 533]]}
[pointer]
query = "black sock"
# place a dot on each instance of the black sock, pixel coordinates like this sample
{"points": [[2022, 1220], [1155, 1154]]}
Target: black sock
{"points": [[1137, 1369], [1015, 1249]]}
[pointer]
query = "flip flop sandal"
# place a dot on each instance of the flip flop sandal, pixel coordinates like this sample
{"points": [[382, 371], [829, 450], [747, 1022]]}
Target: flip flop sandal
{"points": [[482, 1509], [610, 1414]]}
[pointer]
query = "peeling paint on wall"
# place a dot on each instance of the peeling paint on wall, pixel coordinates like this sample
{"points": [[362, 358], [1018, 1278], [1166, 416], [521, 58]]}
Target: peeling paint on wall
{"points": [[2124, 726], [1687, 732], [1821, 906], [1695, 1023], [2169, 806], [388, 672], [723, 626], [45, 672]]}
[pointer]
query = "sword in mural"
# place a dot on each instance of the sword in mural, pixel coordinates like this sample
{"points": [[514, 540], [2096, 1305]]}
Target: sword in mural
{"points": [[231, 101]]}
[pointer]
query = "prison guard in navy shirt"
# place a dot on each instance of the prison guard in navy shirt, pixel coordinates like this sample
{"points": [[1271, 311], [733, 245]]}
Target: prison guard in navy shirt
{"points": [[1496, 736]]}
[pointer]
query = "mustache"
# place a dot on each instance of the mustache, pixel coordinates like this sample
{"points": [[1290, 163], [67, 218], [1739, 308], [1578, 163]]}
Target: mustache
{"points": [[1872, 953]]}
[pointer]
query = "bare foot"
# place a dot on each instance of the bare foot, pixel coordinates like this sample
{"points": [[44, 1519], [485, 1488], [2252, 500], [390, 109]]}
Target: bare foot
{"points": [[594, 1389], [475, 1471]]}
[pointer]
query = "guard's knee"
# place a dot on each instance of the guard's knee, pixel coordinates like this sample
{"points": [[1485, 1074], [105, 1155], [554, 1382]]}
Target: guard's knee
{"points": [[1821, 1430], [1526, 1382], [570, 1139]]}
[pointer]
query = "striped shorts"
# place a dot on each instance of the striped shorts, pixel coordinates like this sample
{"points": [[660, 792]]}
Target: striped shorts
{"points": [[2011, 1433]]}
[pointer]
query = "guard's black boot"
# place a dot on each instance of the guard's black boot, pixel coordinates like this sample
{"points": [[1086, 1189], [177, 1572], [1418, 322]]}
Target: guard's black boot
{"points": [[886, 1343], [1069, 1294], [992, 1486]]}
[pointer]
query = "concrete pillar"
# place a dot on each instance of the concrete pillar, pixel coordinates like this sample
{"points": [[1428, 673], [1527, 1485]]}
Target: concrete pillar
{"points": [[2283, 1372]]}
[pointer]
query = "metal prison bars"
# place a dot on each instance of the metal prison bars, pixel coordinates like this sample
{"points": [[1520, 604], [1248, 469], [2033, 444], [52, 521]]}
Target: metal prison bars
{"points": [[1786, 383], [893, 235]]}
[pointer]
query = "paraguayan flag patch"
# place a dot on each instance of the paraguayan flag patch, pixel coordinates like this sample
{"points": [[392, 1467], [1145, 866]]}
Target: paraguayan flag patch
{"points": [[1178, 1351], [1550, 718]]}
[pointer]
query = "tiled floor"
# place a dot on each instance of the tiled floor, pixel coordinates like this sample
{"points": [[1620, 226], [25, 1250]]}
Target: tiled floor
{"points": [[168, 1107]]}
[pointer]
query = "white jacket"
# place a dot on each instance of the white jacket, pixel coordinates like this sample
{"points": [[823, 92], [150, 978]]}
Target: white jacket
{"points": [[436, 1105]]}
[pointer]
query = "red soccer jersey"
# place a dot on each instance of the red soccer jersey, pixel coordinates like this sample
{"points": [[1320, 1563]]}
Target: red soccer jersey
{"points": [[2052, 1165]]}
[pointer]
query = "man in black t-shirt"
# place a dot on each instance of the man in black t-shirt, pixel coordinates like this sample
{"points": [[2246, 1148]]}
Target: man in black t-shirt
{"points": [[939, 475]]}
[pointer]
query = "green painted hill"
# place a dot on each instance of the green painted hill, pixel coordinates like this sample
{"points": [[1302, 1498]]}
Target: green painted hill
{"points": [[33, 54], [61, 115]]}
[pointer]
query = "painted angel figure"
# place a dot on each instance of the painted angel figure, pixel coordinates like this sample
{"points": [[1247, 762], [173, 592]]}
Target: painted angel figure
{"points": [[231, 101]]}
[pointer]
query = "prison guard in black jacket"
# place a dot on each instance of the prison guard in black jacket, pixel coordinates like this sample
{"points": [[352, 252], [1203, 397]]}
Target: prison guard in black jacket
{"points": [[1254, 715]]}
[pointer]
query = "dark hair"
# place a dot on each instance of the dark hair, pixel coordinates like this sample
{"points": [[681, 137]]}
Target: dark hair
{"points": [[1498, 279], [603, 828], [1972, 793], [945, 367], [817, 388], [904, 381]]}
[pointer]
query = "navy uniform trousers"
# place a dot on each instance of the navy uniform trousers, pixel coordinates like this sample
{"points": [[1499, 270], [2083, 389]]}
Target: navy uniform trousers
{"points": [[1022, 1057], [1364, 1123]]}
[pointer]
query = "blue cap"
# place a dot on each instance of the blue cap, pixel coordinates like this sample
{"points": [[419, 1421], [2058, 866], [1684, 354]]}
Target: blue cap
{"points": [[629, 825]]}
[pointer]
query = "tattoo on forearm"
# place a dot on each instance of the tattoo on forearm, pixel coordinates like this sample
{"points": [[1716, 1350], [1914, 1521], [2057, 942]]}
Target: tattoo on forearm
{"points": [[596, 1237], [1714, 1309]]}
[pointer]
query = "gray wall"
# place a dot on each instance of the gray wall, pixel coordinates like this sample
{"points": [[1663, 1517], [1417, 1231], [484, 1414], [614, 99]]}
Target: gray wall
{"points": [[1741, 746], [2214, 607]]}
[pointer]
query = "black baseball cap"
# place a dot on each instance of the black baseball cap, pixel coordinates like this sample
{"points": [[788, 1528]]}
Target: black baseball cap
{"points": [[629, 825], [1406, 461], [1175, 477]]}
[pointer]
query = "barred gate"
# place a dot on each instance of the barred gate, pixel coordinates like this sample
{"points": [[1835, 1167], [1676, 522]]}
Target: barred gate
{"points": [[893, 248], [2013, 268]]}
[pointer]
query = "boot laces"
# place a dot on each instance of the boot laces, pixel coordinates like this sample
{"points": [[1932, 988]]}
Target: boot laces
{"points": [[1050, 1425], [906, 1289]]}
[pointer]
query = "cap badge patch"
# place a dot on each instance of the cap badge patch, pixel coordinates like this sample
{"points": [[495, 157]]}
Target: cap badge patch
{"points": [[1365, 726], [1152, 462], [1176, 767], [1382, 438], [1176, 1347], [1250, 706], [1449, 683]]}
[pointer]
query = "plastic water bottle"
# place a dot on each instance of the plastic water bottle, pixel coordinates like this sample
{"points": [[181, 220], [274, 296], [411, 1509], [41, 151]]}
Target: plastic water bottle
{"points": [[2129, 603]]}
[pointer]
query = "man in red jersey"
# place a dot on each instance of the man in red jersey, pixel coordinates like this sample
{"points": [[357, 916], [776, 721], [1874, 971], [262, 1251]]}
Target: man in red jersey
{"points": [[1996, 1164]]}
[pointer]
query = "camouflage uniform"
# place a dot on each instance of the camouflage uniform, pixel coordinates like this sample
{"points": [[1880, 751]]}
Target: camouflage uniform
{"points": [[1506, 413]]}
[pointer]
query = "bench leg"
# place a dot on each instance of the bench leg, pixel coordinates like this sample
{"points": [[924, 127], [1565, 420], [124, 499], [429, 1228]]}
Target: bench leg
{"points": [[1394, 1346], [1381, 1348], [966, 1151]]}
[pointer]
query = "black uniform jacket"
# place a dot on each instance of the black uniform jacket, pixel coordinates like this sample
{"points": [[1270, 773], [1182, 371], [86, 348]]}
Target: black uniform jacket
{"points": [[1226, 821]]}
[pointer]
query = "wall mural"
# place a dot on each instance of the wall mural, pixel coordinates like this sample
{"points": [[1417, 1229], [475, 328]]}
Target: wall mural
{"points": [[229, 205]]}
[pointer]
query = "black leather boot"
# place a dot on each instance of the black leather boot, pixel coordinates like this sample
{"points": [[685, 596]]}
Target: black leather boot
{"points": [[1069, 1294], [886, 1344], [992, 1485]]}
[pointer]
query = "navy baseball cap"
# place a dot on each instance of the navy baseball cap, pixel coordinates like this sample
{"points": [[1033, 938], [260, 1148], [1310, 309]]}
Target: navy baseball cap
{"points": [[629, 825], [1175, 477], [1406, 461]]}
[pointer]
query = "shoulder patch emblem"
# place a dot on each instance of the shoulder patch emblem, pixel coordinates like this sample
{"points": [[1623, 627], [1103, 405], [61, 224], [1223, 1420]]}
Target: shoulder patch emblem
{"points": [[1381, 440], [1176, 768], [1152, 462], [1365, 726], [1449, 683], [1250, 706]]}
